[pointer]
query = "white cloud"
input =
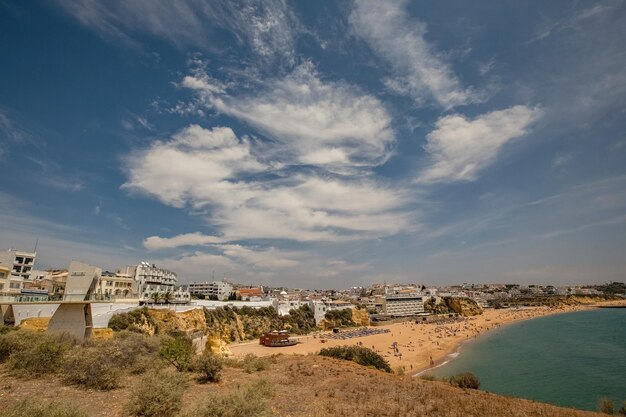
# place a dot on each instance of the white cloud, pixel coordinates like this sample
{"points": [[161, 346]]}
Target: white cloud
{"points": [[269, 27], [318, 122], [270, 258], [460, 148], [211, 171], [188, 239], [418, 70]]}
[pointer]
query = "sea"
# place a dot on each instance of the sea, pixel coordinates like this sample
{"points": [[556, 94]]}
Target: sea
{"points": [[570, 359]]}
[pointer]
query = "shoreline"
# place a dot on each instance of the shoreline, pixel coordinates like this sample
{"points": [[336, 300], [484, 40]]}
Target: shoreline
{"points": [[417, 344]]}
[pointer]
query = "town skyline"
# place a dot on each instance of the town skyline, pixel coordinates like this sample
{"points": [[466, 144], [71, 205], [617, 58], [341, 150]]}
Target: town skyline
{"points": [[287, 144]]}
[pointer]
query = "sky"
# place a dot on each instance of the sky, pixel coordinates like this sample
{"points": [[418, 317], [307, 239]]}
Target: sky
{"points": [[318, 144]]}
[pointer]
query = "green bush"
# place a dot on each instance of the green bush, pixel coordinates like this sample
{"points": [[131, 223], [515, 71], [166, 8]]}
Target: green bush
{"points": [[246, 402], [605, 405], [35, 408], [252, 363], [158, 394], [622, 410], [38, 355], [98, 366], [178, 351], [132, 321], [465, 380], [359, 354], [17, 340], [138, 351], [209, 365]]}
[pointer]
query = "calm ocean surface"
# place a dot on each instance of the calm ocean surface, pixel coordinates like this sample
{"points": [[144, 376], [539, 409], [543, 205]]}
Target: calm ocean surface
{"points": [[569, 359]]}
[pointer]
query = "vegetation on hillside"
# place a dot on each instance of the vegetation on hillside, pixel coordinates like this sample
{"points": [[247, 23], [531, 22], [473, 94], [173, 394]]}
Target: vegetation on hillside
{"points": [[358, 354]]}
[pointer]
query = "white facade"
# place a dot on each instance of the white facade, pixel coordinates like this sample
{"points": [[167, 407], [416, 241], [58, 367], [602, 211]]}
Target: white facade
{"points": [[219, 289], [403, 304], [20, 265], [153, 282], [115, 286]]}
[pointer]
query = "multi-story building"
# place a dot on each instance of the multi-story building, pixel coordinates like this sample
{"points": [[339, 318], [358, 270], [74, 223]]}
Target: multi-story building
{"points": [[156, 284], [20, 264], [216, 289], [5, 278], [116, 285], [403, 304]]}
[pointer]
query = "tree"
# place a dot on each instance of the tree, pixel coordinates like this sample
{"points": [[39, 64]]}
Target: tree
{"points": [[179, 351], [155, 296]]}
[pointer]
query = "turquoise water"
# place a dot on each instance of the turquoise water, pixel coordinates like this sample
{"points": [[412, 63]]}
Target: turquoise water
{"points": [[569, 359]]}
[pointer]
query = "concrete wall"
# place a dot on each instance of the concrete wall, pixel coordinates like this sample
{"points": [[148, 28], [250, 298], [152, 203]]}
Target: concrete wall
{"points": [[27, 311], [74, 319], [81, 278]]}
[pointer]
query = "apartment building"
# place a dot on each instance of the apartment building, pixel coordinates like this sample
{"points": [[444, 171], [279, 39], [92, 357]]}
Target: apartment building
{"points": [[403, 304], [216, 289], [20, 265], [115, 285], [154, 284]]}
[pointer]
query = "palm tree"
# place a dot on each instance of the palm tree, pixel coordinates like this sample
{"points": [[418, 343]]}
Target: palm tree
{"points": [[167, 297], [155, 297]]}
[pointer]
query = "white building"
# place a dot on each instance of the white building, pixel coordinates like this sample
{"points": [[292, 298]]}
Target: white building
{"points": [[20, 265], [403, 304], [219, 289], [115, 286], [153, 282]]}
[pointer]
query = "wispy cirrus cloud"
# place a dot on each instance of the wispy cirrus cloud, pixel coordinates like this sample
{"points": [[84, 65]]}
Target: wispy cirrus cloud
{"points": [[269, 28], [418, 70], [326, 123], [460, 148]]}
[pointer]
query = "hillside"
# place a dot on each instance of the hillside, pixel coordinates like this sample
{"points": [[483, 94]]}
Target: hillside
{"points": [[305, 386]]}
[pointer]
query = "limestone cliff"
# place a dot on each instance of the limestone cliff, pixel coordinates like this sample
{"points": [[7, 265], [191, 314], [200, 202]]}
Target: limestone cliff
{"points": [[35, 323], [449, 305], [360, 317], [186, 321]]}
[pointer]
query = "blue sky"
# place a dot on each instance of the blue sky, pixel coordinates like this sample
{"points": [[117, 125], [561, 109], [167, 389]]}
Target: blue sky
{"points": [[318, 144]]}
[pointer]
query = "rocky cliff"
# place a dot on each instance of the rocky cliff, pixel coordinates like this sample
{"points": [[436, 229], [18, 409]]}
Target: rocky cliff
{"points": [[450, 305]]}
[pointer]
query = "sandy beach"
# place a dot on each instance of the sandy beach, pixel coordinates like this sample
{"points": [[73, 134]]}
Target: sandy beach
{"points": [[419, 346]]}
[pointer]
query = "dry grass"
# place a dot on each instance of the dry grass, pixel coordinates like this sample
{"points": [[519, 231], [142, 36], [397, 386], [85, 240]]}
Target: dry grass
{"points": [[305, 386]]}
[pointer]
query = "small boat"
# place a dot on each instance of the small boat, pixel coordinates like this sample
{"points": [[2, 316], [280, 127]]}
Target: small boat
{"points": [[277, 338]]}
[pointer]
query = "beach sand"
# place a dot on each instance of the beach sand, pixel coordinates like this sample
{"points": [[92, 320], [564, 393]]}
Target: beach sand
{"points": [[421, 345]]}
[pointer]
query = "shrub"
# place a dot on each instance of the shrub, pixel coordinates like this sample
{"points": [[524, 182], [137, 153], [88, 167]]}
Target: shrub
{"points": [[359, 354], [17, 340], [247, 402], [178, 351], [605, 405], [159, 394], [133, 321], [97, 366], [138, 351], [42, 355], [465, 380], [622, 410], [209, 365], [252, 363], [428, 377], [34, 408]]}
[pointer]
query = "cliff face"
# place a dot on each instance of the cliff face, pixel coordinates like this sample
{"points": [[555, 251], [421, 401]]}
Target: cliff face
{"points": [[463, 306], [360, 317], [448, 305], [187, 321]]}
